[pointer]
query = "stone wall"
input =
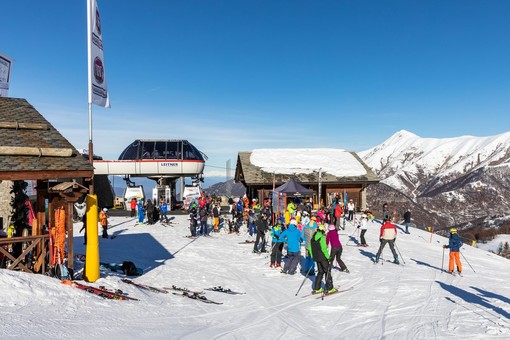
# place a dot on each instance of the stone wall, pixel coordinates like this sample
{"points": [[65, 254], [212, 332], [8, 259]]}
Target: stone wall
{"points": [[5, 203]]}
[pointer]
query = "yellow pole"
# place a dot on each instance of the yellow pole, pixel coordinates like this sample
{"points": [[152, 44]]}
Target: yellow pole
{"points": [[91, 269]]}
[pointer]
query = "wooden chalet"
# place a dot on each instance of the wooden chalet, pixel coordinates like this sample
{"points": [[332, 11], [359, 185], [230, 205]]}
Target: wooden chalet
{"points": [[31, 149], [260, 180]]}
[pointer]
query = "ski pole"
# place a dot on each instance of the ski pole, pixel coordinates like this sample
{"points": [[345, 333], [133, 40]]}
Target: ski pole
{"points": [[270, 251], [442, 262], [466, 260], [302, 283], [349, 240], [404, 262]]}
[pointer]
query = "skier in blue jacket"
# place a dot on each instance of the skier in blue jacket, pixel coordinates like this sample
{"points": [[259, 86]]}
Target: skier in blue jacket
{"points": [[454, 245], [292, 236], [141, 214]]}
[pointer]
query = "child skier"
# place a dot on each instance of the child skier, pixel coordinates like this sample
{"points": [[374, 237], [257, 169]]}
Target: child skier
{"points": [[454, 245], [103, 220], [277, 246]]}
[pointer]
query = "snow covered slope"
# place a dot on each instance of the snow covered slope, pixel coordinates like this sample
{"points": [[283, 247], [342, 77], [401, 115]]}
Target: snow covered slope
{"points": [[415, 300]]}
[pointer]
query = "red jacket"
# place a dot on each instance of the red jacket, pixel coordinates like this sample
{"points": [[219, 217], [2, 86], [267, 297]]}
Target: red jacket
{"points": [[388, 231], [338, 210]]}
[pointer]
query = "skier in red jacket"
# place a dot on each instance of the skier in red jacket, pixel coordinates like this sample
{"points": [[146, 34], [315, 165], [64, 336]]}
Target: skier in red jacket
{"points": [[388, 235]]}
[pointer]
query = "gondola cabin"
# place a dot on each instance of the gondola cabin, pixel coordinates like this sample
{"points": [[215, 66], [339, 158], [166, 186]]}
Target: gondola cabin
{"points": [[155, 158]]}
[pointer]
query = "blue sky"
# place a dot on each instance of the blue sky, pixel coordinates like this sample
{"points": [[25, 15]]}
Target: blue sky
{"points": [[234, 76]]}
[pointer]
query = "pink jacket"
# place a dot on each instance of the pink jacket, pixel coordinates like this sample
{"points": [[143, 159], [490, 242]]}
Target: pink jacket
{"points": [[332, 237]]}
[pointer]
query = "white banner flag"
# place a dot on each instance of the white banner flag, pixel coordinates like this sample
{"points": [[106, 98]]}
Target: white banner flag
{"points": [[98, 91], [5, 75]]}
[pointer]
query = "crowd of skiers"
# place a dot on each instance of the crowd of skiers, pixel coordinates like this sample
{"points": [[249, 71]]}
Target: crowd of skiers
{"points": [[300, 225], [297, 225], [149, 211]]}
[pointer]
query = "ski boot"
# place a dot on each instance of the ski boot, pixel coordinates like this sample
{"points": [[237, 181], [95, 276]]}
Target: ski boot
{"points": [[317, 291], [396, 261], [331, 291]]}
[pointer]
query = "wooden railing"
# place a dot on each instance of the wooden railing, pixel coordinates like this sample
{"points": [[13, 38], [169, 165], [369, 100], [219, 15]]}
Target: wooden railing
{"points": [[39, 242]]}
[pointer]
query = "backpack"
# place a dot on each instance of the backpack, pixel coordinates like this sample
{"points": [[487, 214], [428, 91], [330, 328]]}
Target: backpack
{"points": [[129, 268]]}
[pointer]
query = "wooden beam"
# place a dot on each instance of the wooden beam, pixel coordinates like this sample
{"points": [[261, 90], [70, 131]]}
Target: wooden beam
{"points": [[28, 126], [34, 151], [44, 175]]}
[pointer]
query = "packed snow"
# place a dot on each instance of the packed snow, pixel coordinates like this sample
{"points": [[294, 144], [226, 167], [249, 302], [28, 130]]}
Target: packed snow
{"points": [[413, 300]]}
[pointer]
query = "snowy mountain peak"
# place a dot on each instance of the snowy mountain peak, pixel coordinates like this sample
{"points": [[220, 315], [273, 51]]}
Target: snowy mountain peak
{"points": [[445, 170]]}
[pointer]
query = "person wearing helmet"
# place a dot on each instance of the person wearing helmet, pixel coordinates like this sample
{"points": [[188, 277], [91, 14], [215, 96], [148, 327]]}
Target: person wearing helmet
{"points": [[103, 220], [319, 252], [307, 234], [292, 236], [454, 245], [336, 248]]}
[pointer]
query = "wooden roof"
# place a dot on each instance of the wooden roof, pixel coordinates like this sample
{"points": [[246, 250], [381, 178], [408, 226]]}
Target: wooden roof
{"points": [[31, 148], [251, 175]]}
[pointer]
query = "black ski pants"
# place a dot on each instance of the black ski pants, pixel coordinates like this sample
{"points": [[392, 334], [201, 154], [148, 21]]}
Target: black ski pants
{"points": [[276, 253], [261, 237], [363, 241], [323, 268], [336, 253], [392, 247]]}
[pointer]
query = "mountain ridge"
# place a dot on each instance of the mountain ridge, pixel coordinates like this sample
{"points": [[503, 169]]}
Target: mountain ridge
{"points": [[450, 181]]}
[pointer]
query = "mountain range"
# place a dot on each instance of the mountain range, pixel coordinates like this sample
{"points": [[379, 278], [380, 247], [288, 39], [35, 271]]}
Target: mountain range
{"points": [[461, 181]]}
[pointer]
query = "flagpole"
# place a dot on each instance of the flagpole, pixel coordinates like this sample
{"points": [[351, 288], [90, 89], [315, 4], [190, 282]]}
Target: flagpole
{"points": [[89, 69]]}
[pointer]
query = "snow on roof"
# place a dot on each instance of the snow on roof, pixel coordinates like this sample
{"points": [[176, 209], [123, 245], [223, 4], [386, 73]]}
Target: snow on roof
{"points": [[336, 162]]}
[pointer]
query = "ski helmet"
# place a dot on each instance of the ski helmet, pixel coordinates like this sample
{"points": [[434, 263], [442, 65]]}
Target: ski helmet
{"points": [[453, 230]]}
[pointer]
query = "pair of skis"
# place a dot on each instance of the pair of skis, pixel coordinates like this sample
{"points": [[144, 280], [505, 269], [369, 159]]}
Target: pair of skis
{"points": [[145, 287], [184, 292], [220, 289], [322, 295], [99, 291], [198, 297], [194, 295]]}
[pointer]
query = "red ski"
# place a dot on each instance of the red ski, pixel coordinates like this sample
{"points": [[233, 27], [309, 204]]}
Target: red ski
{"points": [[102, 292]]}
